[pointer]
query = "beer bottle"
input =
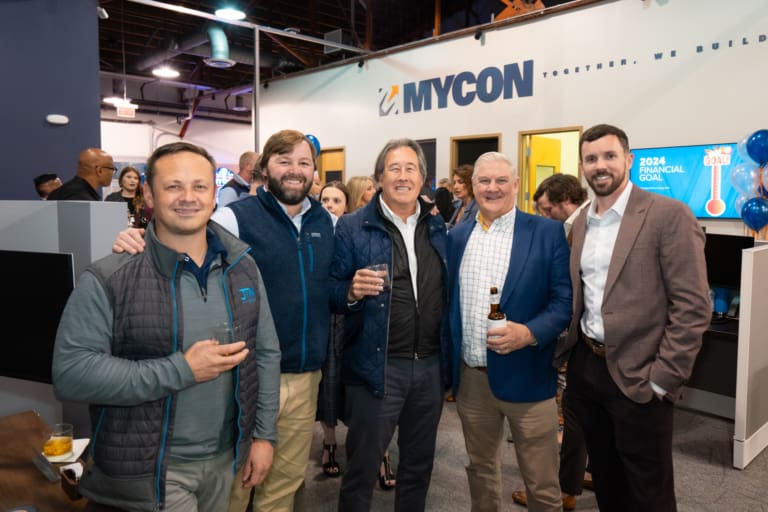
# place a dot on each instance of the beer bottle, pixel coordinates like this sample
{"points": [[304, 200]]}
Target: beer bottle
{"points": [[496, 318]]}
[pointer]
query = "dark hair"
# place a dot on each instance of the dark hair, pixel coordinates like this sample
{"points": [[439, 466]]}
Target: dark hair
{"points": [[339, 185], [378, 170], [282, 143], [444, 203], [601, 130], [464, 172], [40, 179], [172, 149], [560, 188]]}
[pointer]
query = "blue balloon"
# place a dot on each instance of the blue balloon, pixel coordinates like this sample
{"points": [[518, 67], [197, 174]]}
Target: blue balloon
{"points": [[757, 147], [314, 142], [755, 213]]}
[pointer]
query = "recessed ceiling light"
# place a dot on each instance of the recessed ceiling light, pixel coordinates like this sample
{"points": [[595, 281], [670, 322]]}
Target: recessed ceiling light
{"points": [[230, 13], [165, 71]]}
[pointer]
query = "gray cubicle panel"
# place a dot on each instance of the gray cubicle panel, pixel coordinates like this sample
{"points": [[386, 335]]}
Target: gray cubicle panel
{"points": [[750, 435], [84, 228]]}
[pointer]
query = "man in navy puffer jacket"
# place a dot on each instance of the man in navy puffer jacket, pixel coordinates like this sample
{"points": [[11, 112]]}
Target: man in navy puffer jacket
{"points": [[395, 359]]}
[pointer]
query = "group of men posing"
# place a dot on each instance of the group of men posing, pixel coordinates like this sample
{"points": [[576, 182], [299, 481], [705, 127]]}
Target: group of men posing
{"points": [[184, 420]]}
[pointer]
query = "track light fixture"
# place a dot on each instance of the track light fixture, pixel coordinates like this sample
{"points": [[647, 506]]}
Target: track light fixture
{"points": [[360, 63], [478, 34]]}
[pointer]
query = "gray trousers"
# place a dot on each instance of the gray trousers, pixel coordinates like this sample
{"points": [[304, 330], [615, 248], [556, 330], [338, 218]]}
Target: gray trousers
{"points": [[413, 403]]}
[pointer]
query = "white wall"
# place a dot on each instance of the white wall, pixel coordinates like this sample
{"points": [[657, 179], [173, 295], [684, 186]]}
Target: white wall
{"points": [[134, 142], [694, 97]]}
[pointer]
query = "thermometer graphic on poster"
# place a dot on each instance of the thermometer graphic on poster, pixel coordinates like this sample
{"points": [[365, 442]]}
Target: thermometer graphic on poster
{"points": [[716, 158]]}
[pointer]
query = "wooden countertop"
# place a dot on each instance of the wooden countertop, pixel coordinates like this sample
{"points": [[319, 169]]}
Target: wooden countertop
{"points": [[21, 483]]}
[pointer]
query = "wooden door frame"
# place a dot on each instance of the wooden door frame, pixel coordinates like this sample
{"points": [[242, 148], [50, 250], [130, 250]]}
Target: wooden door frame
{"points": [[522, 159], [454, 141]]}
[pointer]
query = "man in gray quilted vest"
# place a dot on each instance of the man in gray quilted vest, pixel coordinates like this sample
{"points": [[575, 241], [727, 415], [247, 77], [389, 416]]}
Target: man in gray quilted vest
{"points": [[176, 353]]}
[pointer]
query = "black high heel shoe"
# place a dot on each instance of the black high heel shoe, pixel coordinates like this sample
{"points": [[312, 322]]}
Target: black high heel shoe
{"points": [[387, 476], [331, 468]]}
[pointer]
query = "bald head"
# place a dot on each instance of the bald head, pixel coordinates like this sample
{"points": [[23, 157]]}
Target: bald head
{"points": [[95, 166]]}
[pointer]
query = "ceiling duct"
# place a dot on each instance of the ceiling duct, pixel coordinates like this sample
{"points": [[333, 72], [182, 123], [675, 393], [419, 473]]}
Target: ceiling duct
{"points": [[214, 34], [240, 105], [219, 49]]}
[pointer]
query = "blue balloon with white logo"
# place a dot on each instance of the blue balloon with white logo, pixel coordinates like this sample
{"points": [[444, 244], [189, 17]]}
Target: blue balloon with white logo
{"points": [[314, 142]]}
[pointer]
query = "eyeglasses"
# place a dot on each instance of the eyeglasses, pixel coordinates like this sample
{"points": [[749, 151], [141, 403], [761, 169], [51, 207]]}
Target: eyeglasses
{"points": [[111, 168]]}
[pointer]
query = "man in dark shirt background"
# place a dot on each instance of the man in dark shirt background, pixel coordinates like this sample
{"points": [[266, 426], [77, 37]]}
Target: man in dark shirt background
{"points": [[95, 168]]}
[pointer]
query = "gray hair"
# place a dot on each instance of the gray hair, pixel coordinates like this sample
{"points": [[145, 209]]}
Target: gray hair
{"points": [[400, 143], [495, 156]]}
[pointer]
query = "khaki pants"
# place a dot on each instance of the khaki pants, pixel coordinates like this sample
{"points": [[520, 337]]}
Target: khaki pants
{"points": [[295, 425], [534, 429]]}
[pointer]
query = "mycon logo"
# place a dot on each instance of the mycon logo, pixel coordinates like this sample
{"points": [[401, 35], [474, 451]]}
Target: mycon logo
{"points": [[461, 89]]}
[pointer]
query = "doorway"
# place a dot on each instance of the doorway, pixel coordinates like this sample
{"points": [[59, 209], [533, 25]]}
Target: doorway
{"points": [[465, 150], [543, 153], [330, 165]]}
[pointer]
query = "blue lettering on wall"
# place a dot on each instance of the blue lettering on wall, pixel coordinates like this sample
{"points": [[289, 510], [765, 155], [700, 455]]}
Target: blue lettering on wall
{"points": [[463, 95], [442, 90], [488, 85], [417, 96]]}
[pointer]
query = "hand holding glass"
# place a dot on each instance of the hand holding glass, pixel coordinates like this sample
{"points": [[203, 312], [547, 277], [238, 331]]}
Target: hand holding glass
{"points": [[383, 272]]}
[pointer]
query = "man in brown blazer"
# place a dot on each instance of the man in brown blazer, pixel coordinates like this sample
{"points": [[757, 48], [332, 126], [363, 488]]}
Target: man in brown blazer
{"points": [[641, 305]]}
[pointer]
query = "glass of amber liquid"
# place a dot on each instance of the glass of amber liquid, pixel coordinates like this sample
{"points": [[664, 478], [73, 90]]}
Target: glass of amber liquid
{"points": [[59, 440]]}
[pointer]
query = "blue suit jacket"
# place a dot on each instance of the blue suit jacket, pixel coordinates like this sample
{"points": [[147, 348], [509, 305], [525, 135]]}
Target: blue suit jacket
{"points": [[536, 292]]}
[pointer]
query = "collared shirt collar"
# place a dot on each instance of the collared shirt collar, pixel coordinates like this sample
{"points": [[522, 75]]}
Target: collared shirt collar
{"points": [[618, 207], [505, 220], [306, 204], [215, 248], [390, 215]]}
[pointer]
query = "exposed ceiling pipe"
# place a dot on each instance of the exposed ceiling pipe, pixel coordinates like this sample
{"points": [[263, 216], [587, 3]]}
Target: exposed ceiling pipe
{"points": [[175, 48], [239, 55], [219, 48], [198, 44]]}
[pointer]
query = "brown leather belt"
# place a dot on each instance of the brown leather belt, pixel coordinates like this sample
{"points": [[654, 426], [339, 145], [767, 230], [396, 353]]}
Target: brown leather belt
{"points": [[595, 346], [483, 369]]}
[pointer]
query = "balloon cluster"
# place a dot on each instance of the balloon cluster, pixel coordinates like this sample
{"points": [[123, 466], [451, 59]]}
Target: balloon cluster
{"points": [[750, 179]]}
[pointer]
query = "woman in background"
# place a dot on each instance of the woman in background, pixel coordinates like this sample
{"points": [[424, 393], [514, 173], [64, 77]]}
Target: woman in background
{"points": [[361, 190], [130, 186], [330, 399], [466, 209]]}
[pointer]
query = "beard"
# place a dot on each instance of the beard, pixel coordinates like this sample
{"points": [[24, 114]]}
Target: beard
{"points": [[289, 197], [601, 188]]}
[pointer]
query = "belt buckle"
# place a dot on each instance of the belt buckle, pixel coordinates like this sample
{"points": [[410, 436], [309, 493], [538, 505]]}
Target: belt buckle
{"points": [[595, 346]]}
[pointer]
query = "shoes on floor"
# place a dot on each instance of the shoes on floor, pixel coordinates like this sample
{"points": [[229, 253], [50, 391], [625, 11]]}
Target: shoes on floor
{"points": [[331, 468], [450, 398], [519, 497], [588, 483], [386, 476]]}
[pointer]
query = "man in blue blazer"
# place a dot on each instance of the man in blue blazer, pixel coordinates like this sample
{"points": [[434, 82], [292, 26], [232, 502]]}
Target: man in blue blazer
{"points": [[507, 371]]}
